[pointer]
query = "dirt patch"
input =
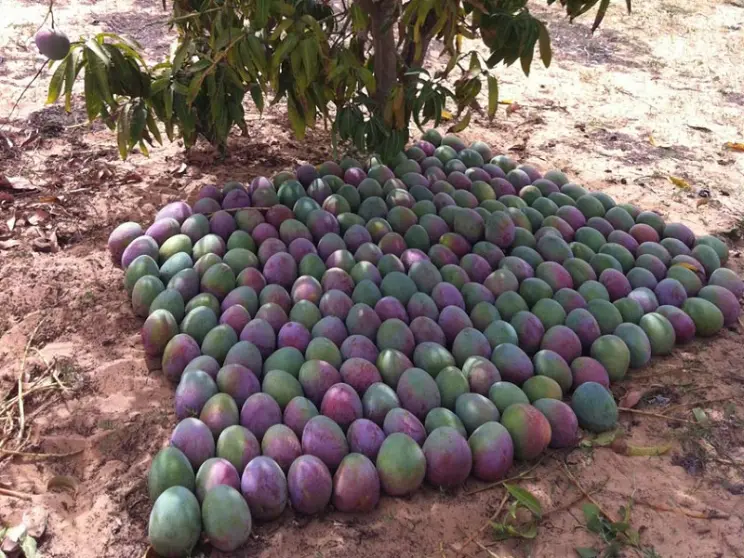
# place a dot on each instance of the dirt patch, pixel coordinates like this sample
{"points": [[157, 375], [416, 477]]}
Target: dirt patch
{"points": [[649, 96]]}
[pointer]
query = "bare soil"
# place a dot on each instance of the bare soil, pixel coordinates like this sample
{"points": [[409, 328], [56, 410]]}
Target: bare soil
{"points": [[651, 95]]}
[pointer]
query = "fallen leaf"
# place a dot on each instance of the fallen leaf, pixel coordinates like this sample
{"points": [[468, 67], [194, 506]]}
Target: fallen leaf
{"points": [[181, 170], [35, 521], [11, 222], [38, 216], [446, 115], [700, 128], [131, 178], [46, 244], [16, 183], [29, 546], [702, 201], [50, 199], [700, 416], [624, 448], [631, 398], [679, 182], [63, 482], [7, 244], [734, 146], [513, 107]]}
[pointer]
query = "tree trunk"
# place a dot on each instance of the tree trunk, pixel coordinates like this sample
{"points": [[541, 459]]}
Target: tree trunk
{"points": [[383, 16]]}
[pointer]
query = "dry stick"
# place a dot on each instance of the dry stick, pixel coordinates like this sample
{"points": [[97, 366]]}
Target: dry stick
{"points": [[586, 494], [712, 514], [654, 415], [22, 418], [14, 494], [520, 476], [30, 83], [702, 403], [471, 538], [41, 455]]}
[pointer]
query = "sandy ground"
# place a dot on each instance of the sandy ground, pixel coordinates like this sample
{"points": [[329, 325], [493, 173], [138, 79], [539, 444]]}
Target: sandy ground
{"points": [[652, 95]]}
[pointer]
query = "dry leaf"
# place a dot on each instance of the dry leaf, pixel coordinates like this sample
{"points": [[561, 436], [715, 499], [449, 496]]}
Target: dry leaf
{"points": [[651, 140], [513, 107], [46, 244], [679, 182], [38, 216], [131, 178], [631, 399], [446, 115], [15, 183], [63, 482], [35, 520], [624, 448], [702, 201], [11, 222], [7, 244], [50, 199], [734, 146]]}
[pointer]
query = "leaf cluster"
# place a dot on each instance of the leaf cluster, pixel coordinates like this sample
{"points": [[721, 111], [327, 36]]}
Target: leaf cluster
{"points": [[361, 67], [511, 526]]}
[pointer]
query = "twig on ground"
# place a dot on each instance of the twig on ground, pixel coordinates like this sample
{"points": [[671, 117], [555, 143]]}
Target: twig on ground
{"points": [[654, 415], [572, 503], [21, 417], [702, 403], [520, 476], [471, 538], [709, 514], [41, 455], [588, 496], [14, 494]]}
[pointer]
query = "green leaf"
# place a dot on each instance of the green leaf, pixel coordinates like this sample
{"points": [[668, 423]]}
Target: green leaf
{"points": [[168, 102], [93, 101], [99, 70], [475, 65], [546, 52], [525, 498], [460, 126], [359, 19], [257, 96], [181, 53], [281, 28], [138, 121], [288, 45], [28, 546], [69, 83], [195, 86], [153, 127], [93, 46], [600, 14], [593, 517], [58, 77], [584, 552], [295, 119], [122, 131], [700, 416], [263, 8], [310, 56], [493, 96]]}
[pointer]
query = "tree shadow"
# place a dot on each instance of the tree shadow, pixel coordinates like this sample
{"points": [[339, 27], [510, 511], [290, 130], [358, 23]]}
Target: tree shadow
{"points": [[574, 42], [149, 29]]}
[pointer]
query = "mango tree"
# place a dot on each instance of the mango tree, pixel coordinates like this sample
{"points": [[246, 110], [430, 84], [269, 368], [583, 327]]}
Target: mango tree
{"points": [[360, 65]]}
